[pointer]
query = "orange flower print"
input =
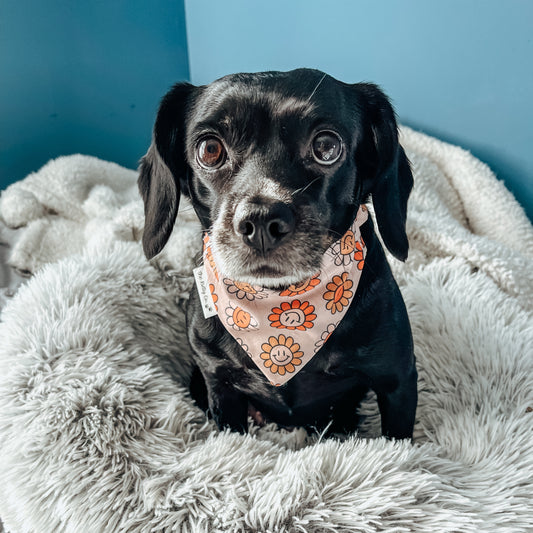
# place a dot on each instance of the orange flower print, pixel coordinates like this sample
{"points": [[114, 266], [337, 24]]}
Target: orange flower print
{"points": [[343, 249], [281, 354], [243, 290], [211, 260], [213, 295], [209, 255], [325, 336], [238, 318], [243, 345], [338, 293], [294, 315], [358, 256], [299, 288]]}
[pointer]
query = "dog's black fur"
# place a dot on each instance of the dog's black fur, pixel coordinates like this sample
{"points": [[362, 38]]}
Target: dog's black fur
{"points": [[266, 123]]}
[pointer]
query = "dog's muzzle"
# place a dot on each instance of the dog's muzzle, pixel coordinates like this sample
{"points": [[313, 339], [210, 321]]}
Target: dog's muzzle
{"points": [[263, 226]]}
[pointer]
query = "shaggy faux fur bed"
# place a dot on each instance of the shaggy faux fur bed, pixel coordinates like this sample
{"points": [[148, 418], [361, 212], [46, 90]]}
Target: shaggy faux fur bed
{"points": [[98, 433]]}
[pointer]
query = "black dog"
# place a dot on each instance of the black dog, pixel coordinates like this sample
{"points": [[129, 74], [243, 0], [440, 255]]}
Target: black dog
{"points": [[277, 165]]}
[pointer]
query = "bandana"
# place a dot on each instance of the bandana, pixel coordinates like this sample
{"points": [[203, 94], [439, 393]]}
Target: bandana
{"points": [[281, 331]]}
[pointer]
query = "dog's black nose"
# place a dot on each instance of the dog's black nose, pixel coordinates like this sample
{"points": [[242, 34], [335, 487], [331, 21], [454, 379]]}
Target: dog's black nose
{"points": [[264, 227]]}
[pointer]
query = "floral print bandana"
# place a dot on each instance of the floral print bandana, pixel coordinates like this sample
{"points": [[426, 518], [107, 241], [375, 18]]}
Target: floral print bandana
{"points": [[282, 330]]}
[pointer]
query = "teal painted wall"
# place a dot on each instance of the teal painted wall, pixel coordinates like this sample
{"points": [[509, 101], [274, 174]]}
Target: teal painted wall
{"points": [[87, 76], [460, 70], [84, 77]]}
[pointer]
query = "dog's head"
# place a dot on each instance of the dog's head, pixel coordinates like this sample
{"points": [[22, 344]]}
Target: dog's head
{"points": [[276, 165]]}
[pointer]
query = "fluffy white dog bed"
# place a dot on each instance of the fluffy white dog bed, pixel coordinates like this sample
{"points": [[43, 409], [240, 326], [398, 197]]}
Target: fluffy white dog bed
{"points": [[97, 431]]}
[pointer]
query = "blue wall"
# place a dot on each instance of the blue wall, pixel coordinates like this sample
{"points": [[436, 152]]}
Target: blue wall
{"points": [[460, 70], [84, 77], [87, 76]]}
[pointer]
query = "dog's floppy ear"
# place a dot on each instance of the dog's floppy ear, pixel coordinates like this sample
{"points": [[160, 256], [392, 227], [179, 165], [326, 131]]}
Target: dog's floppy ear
{"points": [[384, 168], [162, 169]]}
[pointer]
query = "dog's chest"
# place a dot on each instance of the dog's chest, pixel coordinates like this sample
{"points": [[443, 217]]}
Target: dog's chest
{"points": [[325, 378]]}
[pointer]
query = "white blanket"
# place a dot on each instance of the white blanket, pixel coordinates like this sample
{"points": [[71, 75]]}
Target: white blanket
{"points": [[97, 432]]}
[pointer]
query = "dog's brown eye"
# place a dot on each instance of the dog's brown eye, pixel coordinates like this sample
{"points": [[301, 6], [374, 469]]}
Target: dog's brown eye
{"points": [[327, 147], [211, 153]]}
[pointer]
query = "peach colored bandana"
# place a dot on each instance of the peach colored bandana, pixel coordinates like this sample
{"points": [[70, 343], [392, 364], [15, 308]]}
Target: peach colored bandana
{"points": [[282, 330]]}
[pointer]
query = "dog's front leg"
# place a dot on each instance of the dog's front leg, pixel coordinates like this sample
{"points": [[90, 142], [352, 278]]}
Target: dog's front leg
{"points": [[228, 407], [398, 407]]}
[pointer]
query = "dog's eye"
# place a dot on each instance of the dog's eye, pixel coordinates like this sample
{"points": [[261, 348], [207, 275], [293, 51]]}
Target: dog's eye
{"points": [[327, 147], [211, 153]]}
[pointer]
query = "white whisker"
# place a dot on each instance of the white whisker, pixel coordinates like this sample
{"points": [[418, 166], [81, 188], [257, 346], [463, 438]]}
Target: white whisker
{"points": [[317, 86], [303, 189]]}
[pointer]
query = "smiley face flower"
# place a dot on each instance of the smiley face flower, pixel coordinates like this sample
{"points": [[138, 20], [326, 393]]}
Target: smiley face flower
{"points": [[325, 336], [294, 315], [209, 255], [281, 354], [299, 288], [214, 295], [243, 290], [239, 319], [343, 249], [243, 345], [211, 259], [358, 256], [338, 293]]}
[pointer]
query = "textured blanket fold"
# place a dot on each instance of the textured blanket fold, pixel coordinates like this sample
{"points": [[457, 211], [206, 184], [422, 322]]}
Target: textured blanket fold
{"points": [[98, 433]]}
